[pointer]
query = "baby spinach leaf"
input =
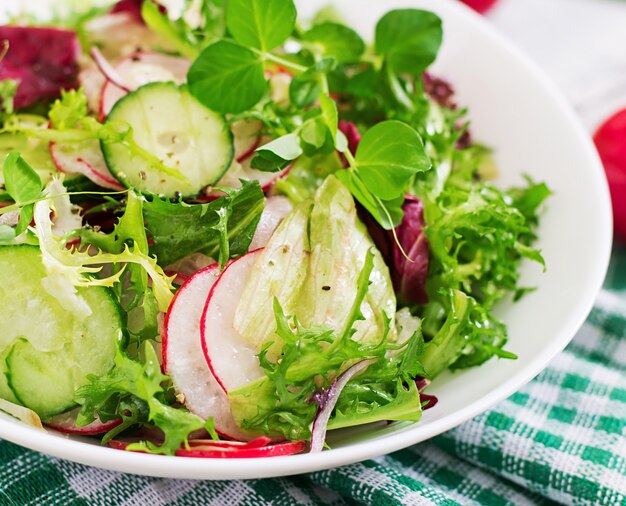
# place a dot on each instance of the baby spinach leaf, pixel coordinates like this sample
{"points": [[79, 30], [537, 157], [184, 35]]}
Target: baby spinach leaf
{"points": [[409, 39], [227, 77], [262, 24]]}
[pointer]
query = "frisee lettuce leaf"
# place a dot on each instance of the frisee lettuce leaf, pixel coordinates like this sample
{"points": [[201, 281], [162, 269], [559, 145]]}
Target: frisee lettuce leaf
{"points": [[108, 396], [311, 357], [71, 268]]}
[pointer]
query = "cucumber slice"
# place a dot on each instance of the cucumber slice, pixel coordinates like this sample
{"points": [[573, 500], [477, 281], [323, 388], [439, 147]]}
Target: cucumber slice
{"points": [[5, 390], [49, 351], [183, 146]]}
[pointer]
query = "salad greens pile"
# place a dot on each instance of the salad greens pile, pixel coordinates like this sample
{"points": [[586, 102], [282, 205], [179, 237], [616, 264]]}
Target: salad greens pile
{"points": [[382, 273]]}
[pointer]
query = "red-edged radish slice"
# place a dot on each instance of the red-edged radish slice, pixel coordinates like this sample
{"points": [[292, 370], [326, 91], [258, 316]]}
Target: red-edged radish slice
{"points": [[256, 448], [276, 208], [255, 443], [108, 71], [139, 69], [246, 138], [66, 422], [183, 358], [275, 450], [84, 158], [232, 360]]}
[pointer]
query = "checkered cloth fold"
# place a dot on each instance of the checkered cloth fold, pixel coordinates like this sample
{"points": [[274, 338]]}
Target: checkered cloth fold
{"points": [[560, 439]]}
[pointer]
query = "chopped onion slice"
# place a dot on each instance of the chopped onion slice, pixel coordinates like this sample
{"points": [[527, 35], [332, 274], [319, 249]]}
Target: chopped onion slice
{"points": [[327, 399], [23, 414]]}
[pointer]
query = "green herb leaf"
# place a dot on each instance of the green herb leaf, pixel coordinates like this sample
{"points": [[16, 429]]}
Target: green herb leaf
{"points": [[7, 234], [388, 213], [262, 24], [330, 116], [179, 229], [276, 155], [337, 40], [221, 227], [227, 77], [388, 155], [8, 89], [21, 181], [409, 39], [143, 380], [306, 87], [175, 32]]}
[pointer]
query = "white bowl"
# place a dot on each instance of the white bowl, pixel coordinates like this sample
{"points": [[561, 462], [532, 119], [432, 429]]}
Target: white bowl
{"points": [[515, 109]]}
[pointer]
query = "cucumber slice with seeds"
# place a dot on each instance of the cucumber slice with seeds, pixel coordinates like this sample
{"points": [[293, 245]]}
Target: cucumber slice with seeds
{"points": [[179, 145]]}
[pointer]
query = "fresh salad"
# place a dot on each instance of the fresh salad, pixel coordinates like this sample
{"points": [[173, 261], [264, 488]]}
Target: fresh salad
{"points": [[226, 231]]}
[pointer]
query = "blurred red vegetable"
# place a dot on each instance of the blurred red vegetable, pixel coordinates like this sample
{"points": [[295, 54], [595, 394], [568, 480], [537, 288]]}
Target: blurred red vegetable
{"points": [[480, 5], [610, 140], [42, 60]]}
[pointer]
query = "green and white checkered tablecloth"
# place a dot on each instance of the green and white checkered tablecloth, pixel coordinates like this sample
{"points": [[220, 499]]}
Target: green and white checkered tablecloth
{"points": [[561, 439]]}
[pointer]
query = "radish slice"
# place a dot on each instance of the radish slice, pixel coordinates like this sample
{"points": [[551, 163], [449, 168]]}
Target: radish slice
{"points": [[246, 138], [232, 360], [256, 448], [183, 358], [276, 208], [84, 158], [139, 69], [66, 422], [107, 70], [276, 450]]}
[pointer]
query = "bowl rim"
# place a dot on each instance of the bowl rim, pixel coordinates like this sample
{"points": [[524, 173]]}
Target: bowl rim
{"points": [[220, 469]]}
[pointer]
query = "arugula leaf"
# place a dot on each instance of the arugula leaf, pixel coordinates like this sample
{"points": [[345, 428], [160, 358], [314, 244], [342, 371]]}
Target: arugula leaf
{"points": [[409, 39], [388, 155], [178, 229], [262, 24], [23, 184], [336, 40], [227, 77], [143, 380]]}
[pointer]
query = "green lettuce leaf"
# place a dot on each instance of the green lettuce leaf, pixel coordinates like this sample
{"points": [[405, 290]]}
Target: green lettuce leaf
{"points": [[106, 396], [179, 229], [311, 265]]}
